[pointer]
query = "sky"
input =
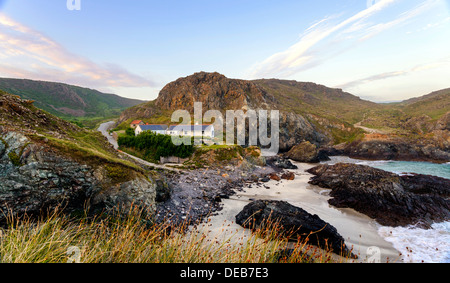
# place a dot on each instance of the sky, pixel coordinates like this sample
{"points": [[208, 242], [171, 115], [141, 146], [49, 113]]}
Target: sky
{"points": [[380, 50]]}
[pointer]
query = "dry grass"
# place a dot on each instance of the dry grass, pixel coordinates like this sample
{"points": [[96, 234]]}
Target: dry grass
{"points": [[131, 239]]}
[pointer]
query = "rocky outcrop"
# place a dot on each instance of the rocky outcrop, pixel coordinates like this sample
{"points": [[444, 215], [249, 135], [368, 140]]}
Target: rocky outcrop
{"points": [[397, 150], [295, 128], [390, 199], [294, 222], [306, 152], [215, 91], [35, 178]]}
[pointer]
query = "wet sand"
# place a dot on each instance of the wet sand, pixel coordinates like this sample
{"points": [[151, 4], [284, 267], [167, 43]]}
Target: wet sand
{"points": [[359, 231]]}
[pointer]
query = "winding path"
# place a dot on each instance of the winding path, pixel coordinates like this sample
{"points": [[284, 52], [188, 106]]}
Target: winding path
{"points": [[104, 129]]}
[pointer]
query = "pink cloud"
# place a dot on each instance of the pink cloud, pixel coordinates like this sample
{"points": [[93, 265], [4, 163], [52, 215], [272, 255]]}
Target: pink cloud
{"points": [[27, 53]]}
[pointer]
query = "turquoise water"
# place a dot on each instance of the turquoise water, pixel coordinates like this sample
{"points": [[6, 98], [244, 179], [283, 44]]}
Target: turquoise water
{"points": [[416, 245], [400, 167]]}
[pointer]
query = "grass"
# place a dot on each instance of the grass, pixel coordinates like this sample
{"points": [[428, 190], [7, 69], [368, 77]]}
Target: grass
{"points": [[89, 152], [131, 239]]}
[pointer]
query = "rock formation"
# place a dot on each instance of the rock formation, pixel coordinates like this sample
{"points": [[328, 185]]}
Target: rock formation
{"points": [[306, 152], [294, 222], [390, 199]]}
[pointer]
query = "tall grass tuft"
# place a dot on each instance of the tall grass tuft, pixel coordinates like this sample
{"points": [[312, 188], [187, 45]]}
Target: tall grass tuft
{"points": [[57, 238]]}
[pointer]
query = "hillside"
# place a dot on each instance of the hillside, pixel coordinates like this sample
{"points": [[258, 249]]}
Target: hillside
{"points": [[418, 115], [219, 92], [309, 111], [434, 105], [311, 98], [47, 162], [68, 101]]}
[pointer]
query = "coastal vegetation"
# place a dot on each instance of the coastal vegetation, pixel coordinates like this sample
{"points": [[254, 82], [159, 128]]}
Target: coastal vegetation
{"points": [[59, 238], [151, 146]]}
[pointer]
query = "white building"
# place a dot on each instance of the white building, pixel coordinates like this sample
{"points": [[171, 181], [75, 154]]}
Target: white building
{"points": [[206, 131], [158, 129]]}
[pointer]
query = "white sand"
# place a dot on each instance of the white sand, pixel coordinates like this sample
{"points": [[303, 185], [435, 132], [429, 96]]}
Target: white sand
{"points": [[359, 231]]}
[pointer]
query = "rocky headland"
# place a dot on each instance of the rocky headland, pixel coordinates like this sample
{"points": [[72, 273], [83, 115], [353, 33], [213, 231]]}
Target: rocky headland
{"points": [[390, 199]]}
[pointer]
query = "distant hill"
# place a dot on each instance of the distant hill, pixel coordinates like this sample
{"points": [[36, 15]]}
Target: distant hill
{"points": [[418, 115], [311, 98], [68, 101], [434, 104]]}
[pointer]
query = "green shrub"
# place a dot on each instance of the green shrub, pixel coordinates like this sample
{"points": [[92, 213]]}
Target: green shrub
{"points": [[117, 172], [153, 146], [15, 159], [130, 132]]}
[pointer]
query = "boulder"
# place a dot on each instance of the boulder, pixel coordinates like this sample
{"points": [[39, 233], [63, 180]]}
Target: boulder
{"points": [[280, 163], [390, 199], [275, 177], [305, 152], [288, 176], [294, 222]]}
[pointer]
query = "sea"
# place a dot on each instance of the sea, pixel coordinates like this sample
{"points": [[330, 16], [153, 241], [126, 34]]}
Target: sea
{"points": [[416, 245]]}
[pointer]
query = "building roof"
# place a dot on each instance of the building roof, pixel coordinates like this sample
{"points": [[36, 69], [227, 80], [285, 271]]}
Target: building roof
{"points": [[153, 127], [189, 128], [136, 122]]}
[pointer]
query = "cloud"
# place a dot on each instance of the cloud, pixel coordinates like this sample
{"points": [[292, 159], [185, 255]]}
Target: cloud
{"points": [[387, 75], [27, 53], [306, 53]]}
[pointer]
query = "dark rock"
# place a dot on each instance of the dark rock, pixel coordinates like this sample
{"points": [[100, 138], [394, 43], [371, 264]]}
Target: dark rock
{"points": [[163, 191], [306, 152], [331, 151], [397, 150], [281, 163], [390, 199], [294, 222]]}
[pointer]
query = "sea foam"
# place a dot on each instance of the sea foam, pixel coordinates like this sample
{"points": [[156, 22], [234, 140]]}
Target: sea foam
{"points": [[419, 245]]}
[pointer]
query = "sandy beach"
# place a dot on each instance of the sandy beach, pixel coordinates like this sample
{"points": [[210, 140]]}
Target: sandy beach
{"points": [[359, 231]]}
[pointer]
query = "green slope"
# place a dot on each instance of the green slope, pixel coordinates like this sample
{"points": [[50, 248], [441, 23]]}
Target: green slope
{"points": [[68, 101], [311, 98]]}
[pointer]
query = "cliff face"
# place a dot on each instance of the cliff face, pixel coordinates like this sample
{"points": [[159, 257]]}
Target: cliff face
{"points": [[45, 164], [215, 91]]}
